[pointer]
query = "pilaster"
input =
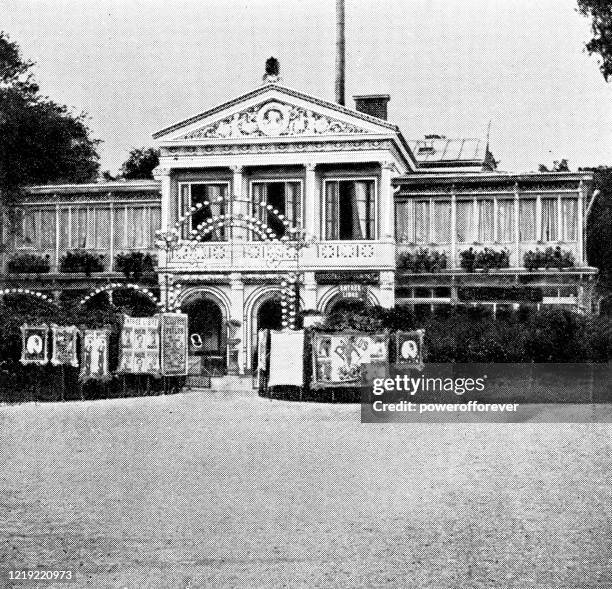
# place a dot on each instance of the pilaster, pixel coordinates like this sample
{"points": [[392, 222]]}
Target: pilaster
{"points": [[386, 202], [387, 289], [312, 203], [237, 307], [310, 291]]}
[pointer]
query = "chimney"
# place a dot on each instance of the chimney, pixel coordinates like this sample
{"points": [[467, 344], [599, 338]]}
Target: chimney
{"points": [[272, 71], [340, 52], [374, 105]]}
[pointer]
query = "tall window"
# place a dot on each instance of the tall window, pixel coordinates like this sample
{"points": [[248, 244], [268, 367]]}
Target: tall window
{"points": [[349, 209], [550, 219], [465, 221], [198, 193], [442, 222], [283, 197], [569, 219], [486, 220], [527, 219], [505, 221]]}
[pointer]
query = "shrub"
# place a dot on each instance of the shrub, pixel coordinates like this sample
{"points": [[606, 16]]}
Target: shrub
{"points": [[134, 264], [486, 259], [29, 263], [422, 260], [81, 261], [548, 258]]}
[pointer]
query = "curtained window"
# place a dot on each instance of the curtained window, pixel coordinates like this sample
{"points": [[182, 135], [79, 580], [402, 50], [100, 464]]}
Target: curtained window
{"points": [[47, 229], [527, 219], [79, 229], [285, 198], [485, 220], [421, 221], [505, 221], [349, 210], [211, 193], [442, 221], [119, 228], [550, 219], [64, 229], [569, 219], [102, 227], [465, 221], [403, 221]]}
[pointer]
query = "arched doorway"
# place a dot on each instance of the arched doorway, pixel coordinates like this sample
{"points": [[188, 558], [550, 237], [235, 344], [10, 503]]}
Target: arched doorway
{"points": [[346, 305], [207, 338], [269, 315]]}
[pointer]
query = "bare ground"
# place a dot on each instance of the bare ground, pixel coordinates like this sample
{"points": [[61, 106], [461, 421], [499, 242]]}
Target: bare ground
{"points": [[238, 491]]}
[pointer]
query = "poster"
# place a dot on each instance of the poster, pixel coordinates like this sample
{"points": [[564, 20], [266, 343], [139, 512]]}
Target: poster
{"points": [[174, 334], [409, 348], [64, 346], [94, 355], [286, 358], [338, 358], [140, 345], [34, 344]]}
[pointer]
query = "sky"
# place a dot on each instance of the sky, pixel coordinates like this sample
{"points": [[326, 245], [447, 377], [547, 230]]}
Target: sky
{"points": [[450, 66]]}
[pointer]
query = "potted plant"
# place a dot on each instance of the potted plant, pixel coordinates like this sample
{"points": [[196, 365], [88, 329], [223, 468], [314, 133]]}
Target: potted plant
{"points": [[29, 264], [81, 261]]}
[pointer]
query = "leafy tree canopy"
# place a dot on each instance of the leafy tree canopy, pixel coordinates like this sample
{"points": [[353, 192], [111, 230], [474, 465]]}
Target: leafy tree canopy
{"points": [[140, 164], [600, 13], [40, 141]]}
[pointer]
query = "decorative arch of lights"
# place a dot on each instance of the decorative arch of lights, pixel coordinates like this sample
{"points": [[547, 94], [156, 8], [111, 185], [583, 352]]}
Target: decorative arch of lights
{"points": [[173, 239], [119, 286], [28, 292]]}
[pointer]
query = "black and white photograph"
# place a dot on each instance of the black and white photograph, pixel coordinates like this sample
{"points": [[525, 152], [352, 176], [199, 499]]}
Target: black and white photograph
{"points": [[306, 294]]}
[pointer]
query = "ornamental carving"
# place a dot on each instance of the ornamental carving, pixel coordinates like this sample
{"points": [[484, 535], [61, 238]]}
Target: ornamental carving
{"points": [[273, 119]]}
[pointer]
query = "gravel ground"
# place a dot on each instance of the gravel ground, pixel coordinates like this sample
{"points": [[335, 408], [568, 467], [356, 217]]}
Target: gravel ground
{"points": [[238, 491]]}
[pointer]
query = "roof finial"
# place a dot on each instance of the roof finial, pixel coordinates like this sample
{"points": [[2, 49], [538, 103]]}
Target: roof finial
{"points": [[272, 74]]}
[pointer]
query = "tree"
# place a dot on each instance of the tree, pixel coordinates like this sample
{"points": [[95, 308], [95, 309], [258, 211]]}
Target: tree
{"points": [[140, 164], [40, 141], [599, 227], [600, 13]]}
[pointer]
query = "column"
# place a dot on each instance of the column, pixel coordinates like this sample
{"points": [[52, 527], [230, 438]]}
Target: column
{"points": [[387, 212], [581, 229], [517, 262], [310, 292], [163, 175], [240, 349], [312, 203], [387, 289], [239, 208], [453, 256]]}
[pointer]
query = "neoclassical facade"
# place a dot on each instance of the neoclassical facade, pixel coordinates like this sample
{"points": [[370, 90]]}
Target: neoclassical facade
{"points": [[279, 191]]}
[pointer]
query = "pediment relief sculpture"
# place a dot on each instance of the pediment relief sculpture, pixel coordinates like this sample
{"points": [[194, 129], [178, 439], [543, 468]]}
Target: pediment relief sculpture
{"points": [[273, 119]]}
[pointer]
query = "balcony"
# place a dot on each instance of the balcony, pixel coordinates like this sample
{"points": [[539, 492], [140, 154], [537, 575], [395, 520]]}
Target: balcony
{"points": [[266, 256]]}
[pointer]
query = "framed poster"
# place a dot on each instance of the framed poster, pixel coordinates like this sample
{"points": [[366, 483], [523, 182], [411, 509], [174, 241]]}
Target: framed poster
{"points": [[94, 354], [34, 347], [338, 358], [174, 344], [286, 358], [140, 345], [64, 346], [409, 348]]}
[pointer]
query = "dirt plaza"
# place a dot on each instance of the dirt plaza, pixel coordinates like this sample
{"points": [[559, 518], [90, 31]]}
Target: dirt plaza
{"points": [[231, 490]]}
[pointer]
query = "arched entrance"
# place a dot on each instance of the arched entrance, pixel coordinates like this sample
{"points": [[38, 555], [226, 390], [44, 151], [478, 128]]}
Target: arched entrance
{"points": [[207, 338], [267, 315], [346, 305]]}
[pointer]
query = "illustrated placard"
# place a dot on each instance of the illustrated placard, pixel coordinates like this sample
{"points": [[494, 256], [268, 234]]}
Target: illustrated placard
{"points": [[174, 342], [34, 340], [338, 358], [140, 345], [409, 348], [64, 346], [94, 355], [286, 358]]}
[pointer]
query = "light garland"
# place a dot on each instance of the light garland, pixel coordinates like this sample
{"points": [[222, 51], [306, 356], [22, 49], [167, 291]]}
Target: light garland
{"points": [[27, 291], [118, 286]]}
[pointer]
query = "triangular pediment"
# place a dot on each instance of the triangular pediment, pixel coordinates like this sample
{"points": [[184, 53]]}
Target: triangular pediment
{"points": [[274, 111]]}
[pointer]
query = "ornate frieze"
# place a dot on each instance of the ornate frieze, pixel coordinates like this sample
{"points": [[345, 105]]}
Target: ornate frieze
{"points": [[252, 148], [273, 119]]}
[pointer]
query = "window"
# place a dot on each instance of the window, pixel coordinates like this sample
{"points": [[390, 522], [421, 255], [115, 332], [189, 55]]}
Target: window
{"points": [[442, 221], [465, 221], [119, 241], [505, 221], [550, 220], [64, 229], [283, 197], [79, 229], [349, 209], [403, 221], [569, 219], [485, 220], [421, 221], [527, 220], [199, 193], [47, 229]]}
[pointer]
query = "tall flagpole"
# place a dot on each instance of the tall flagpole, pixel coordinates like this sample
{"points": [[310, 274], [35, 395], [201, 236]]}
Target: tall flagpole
{"points": [[340, 52]]}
